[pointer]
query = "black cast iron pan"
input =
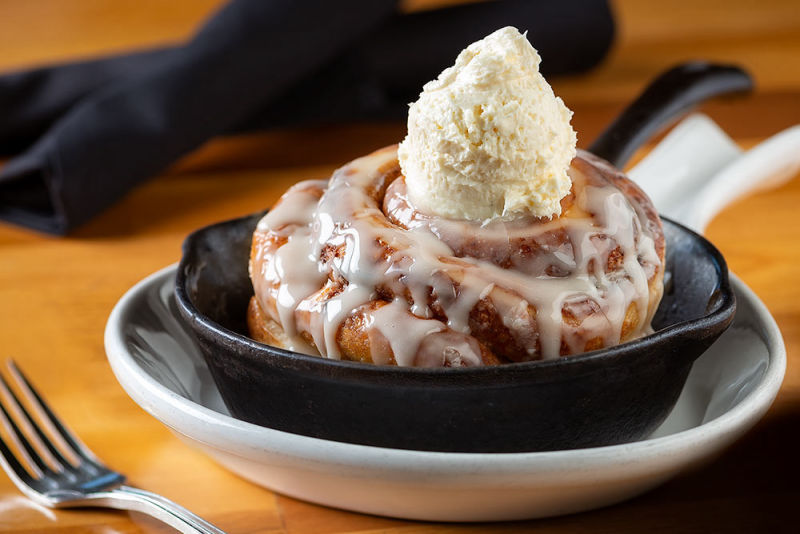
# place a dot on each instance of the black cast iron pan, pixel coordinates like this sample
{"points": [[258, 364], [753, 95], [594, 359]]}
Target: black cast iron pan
{"points": [[599, 398]]}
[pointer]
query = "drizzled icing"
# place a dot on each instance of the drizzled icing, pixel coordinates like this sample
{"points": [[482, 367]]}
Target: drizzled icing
{"points": [[433, 292]]}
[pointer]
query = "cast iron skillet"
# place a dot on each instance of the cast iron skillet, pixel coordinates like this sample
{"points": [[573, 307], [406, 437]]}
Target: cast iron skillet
{"points": [[599, 398]]}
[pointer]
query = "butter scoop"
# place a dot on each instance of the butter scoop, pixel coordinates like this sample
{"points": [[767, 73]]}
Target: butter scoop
{"points": [[488, 138]]}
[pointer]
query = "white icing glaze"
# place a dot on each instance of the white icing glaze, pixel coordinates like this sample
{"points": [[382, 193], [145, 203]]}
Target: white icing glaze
{"points": [[404, 334], [341, 253], [298, 275]]}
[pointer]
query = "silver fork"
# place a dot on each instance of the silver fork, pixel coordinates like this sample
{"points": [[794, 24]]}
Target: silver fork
{"points": [[68, 474]]}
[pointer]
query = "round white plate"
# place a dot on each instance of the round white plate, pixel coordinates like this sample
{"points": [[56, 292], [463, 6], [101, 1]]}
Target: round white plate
{"points": [[729, 389]]}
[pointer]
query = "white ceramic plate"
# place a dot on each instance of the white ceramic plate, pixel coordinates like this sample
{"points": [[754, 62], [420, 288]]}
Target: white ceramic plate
{"points": [[728, 390]]}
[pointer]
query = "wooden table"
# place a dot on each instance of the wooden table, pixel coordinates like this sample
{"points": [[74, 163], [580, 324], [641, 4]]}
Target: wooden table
{"points": [[56, 294]]}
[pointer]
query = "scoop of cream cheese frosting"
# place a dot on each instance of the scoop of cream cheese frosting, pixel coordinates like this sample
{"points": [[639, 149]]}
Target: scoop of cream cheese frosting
{"points": [[488, 138]]}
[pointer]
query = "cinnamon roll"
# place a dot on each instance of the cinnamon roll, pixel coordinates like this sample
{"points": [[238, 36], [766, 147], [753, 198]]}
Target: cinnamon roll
{"points": [[349, 268]]}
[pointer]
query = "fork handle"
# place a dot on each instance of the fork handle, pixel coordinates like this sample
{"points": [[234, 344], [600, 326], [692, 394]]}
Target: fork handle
{"points": [[138, 500]]}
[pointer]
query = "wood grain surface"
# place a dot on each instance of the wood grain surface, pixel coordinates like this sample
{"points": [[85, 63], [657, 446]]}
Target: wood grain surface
{"points": [[56, 294]]}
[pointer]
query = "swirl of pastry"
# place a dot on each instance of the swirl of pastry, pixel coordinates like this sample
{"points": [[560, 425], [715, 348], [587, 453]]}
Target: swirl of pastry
{"points": [[350, 269]]}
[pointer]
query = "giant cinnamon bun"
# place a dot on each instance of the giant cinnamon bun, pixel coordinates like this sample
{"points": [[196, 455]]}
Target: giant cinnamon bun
{"points": [[348, 268]]}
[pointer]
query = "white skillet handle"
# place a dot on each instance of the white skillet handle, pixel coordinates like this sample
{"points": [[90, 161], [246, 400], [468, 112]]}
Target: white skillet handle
{"points": [[683, 163], [770, 164]]}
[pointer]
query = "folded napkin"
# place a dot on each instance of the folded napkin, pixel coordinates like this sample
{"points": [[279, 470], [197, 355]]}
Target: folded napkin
{"points": [[81, 135]]}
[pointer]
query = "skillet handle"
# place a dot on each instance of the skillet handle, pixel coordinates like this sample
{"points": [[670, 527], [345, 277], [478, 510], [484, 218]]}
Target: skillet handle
{"points": [[670, 95]]}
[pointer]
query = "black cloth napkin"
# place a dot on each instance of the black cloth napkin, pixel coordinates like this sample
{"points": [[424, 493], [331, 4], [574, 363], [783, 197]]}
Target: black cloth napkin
{"points": [[81, 135]]}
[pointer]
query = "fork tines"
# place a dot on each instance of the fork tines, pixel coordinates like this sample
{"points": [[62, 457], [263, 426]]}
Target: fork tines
{"points": [[37, 453], [50, 465]]}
